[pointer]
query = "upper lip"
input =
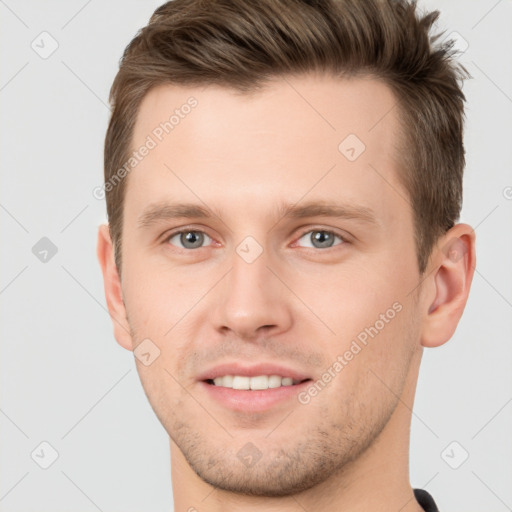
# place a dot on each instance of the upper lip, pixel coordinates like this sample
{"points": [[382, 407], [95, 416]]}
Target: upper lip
{"points": [[252, 370]]}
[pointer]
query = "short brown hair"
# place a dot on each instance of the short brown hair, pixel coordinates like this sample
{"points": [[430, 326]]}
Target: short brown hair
{"points": [[240, 44]]}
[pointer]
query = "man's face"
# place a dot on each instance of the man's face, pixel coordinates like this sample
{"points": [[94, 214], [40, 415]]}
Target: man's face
{"points": [[253, 291]]}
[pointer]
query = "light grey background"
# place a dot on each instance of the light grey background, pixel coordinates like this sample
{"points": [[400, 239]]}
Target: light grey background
{"points": [[64, 379]]}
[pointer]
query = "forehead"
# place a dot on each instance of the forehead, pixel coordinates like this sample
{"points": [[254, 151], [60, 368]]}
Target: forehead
{"points": [[320, 136]]}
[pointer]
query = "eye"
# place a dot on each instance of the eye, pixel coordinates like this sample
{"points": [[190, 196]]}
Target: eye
{"points": [[189, 239], [320, 238]]}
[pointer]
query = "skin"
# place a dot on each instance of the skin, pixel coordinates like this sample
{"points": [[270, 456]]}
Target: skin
{"points": [[297, 304]]}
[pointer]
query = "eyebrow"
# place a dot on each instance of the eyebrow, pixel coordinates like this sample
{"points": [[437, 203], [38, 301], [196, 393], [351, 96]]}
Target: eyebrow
{"points": [[168, 211]]}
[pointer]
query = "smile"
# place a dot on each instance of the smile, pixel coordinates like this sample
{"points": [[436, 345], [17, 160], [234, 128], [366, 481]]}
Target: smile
{"points": [[258, 382]]}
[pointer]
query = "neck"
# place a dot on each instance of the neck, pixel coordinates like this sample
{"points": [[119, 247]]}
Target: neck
{"points": [[378, 480]]}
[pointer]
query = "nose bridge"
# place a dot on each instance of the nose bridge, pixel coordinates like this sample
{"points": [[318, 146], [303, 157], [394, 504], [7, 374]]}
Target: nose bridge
{"points": [[251, 294], [249, 280]]}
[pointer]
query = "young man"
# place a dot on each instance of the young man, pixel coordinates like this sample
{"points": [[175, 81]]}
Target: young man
{"points": [[283, 181]]}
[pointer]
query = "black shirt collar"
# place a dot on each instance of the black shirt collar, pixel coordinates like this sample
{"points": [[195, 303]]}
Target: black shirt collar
{"points": [[425, 500]]}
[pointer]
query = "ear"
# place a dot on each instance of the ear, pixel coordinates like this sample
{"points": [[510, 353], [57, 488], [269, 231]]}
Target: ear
{"points": [[447, 284], [113, 291]]}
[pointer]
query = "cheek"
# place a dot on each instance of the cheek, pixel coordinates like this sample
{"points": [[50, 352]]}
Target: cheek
{"points": [[351, 299], [166, 397], [373, 316], [385, 357], [167, 307], [375, 363], [156, 297]]}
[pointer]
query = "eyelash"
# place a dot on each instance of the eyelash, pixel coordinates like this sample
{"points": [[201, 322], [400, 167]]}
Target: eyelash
{"points": [[342, 238]]}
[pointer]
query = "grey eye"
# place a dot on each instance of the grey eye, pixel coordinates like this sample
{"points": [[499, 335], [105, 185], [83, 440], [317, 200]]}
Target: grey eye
{"points": [[320, 238], [190, 239]]}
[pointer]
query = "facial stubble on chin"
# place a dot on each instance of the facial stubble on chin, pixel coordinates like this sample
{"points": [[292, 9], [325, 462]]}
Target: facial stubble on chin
{"points": [[317, 454]]}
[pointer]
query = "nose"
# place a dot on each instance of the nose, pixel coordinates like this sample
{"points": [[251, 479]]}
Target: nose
{"points": [[252, 301]]}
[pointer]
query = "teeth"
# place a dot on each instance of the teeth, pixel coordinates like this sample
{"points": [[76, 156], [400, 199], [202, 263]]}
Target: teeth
{"points": [[241, 382], [227, 381], [258, 382], [274, 381]]}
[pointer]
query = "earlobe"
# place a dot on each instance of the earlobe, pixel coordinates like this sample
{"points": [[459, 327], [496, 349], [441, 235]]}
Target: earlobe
{"points": [[112, 286], [449, 281]]}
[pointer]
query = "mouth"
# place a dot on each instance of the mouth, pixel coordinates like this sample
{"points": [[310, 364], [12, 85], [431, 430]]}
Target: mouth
{"points": [[254, 383], [249, 389]]}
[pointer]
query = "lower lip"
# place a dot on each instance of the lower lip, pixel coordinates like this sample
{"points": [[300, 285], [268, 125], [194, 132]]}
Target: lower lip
{"points": [[252, 401]]}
